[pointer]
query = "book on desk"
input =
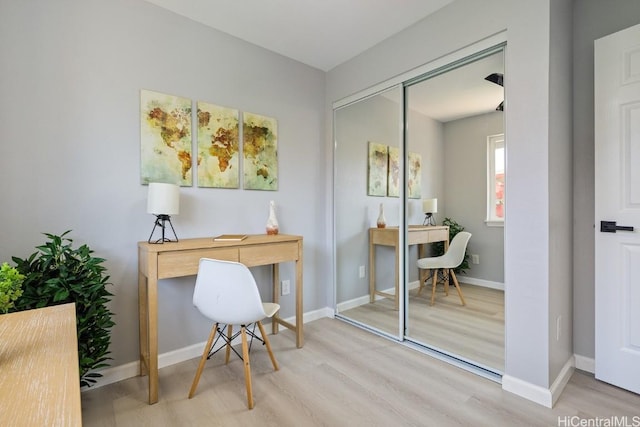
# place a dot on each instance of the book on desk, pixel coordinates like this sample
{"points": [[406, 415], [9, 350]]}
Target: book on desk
{"points": [[229, 237]]}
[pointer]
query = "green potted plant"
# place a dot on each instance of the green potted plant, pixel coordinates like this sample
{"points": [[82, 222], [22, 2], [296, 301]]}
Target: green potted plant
{"points": [[58, 273], [10, 287]]}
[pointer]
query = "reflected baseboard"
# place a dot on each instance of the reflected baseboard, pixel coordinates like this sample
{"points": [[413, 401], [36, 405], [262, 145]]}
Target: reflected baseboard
{"points": [[357, 302], [480, 282]]}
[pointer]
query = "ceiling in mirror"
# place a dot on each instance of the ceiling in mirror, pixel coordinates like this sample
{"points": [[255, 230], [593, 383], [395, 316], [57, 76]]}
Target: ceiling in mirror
{"points": [[460, 92]]}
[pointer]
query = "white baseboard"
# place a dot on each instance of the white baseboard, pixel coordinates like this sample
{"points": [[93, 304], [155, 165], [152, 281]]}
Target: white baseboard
{"points": [[481, 282], [540, 395], [562, 379], [586, 364], [535, 393], [132, 369]]}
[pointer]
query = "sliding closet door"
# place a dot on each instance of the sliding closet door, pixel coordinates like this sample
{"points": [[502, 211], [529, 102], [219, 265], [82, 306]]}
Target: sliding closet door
{"points": [[454, 139], [368, 211]]}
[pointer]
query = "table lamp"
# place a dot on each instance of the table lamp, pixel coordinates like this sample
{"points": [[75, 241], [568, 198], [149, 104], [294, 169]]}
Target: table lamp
{"points": [[163, 201], [429, 207]]}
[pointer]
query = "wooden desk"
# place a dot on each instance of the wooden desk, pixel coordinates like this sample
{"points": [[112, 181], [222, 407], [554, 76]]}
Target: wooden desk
{"points": [[417, 235], [39, 373], [177, 259]]}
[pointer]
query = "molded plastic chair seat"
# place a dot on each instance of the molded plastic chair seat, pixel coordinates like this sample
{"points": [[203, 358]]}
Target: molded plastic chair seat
{"points": [[450, 260], [226, 293]]}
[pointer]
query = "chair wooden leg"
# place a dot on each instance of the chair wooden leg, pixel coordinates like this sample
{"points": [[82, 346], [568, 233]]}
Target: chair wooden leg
{"points": [[203, 360], [446, 281], [268, 344], [457, 285], [247, 367], [229, 333], [434, 279], [423, 278]]}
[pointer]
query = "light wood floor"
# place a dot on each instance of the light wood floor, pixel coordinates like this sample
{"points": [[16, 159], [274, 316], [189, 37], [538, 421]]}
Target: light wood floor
{"points": [[474, 331], [343, 376]]}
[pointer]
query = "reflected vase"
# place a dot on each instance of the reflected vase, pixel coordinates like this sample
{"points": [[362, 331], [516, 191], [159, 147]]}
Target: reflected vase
{"points": [[381, 222], [272, 221]]}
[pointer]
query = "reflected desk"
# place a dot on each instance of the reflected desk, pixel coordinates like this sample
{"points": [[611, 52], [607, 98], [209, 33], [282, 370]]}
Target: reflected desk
{"points": [[178, 259], [417, 235]]}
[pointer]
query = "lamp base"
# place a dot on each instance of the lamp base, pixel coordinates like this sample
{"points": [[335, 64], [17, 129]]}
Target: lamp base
{"points": [[429, 219], [161, 221]]}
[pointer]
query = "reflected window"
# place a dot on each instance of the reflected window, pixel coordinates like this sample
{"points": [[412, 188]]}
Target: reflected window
{"points": [[495, 180]]}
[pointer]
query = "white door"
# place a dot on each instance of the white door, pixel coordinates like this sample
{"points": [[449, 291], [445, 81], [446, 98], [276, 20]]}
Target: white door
{"points": [[617, 200]]}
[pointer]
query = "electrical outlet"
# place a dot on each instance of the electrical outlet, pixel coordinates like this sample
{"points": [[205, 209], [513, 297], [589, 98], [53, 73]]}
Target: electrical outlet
{"points": [[286, 287], [475, 259], [361, 272]]}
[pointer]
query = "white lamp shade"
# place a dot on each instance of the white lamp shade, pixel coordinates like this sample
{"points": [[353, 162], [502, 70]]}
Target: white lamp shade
{"points": [[430, 205], [163, 199]]}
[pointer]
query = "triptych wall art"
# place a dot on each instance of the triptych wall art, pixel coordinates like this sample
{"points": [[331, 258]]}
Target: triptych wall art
{"points": [[166, 144], [165, 138], [384, 172]]}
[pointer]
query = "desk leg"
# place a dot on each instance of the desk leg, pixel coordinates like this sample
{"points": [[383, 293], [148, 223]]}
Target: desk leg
{"points": [[148, 319], [372, 269], [276, 294], [152, 306], [397, 284], [446, 272], [299, 299], [421, 272], [142, 322]]}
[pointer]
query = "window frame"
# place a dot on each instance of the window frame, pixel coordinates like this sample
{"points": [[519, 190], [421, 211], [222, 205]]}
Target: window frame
{"points": [[494, 142]]}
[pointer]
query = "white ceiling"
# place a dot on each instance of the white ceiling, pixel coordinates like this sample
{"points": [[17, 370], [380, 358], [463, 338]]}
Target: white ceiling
{"points": [[319, 33], [326, 33], [458, 93]]}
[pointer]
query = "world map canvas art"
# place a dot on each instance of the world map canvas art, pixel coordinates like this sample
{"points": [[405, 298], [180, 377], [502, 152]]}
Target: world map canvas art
{"points": [[218, 163], [414, 183], [260, 152], [393, 185], [165, 138], [378, 159]]}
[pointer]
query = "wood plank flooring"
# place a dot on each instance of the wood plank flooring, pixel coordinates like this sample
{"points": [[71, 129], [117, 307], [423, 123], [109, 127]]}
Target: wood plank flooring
{"points": [[474, 331], [343, 376]]}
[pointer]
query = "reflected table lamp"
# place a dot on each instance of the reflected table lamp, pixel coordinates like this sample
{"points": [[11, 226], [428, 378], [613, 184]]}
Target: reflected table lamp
{"points": [[429, 207], [163, 201]]}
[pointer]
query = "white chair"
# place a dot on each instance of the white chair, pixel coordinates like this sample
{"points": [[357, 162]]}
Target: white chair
{"points": [[226, 293], [450, 260]]}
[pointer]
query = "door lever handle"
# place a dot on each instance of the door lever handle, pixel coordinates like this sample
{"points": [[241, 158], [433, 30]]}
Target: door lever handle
{"points": [[612, 227]]}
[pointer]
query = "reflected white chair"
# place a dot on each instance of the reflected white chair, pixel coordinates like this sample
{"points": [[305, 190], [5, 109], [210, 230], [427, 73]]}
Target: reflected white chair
{"points": [[450, 260], [226, 292]]}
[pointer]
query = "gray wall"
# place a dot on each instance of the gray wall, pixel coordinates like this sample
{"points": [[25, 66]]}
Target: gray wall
{"points": [[592, 19], [465, 185], [70, 80], [560, 189]]}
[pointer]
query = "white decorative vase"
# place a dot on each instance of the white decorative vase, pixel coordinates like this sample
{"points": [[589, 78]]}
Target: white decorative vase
{"points": [[381, 222], [272, 222]]}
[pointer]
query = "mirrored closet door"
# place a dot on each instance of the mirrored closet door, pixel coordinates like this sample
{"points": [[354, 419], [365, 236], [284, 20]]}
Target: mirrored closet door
{"points": [[426, 156], [368, 208], [455, 125]]}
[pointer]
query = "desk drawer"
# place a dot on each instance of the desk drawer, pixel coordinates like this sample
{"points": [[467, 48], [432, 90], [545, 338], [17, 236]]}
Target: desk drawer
{"points": [[269, 254], [439, 235], [185, 263]]}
